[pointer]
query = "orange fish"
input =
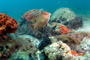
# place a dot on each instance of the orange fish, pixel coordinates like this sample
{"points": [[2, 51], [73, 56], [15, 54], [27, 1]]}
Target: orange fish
{"points": [[64, 29], [54, 24], [41, 20], [82, 54], [76, 54]]}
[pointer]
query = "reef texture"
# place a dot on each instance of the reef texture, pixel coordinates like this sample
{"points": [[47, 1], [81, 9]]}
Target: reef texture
{"points": [[7, 44], [7, 24], [63, 14], [7, 47], [74, 40], [74, 23], [37, 25], [27, 47], [58, 50], [57, 40], [67, 17]]}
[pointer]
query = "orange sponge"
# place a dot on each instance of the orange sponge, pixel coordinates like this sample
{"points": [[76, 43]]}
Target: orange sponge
{"points": [[64, 29], [7, 24]]}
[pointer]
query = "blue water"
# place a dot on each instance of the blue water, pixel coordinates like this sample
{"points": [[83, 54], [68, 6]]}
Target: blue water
{"points": [[16, 8]]}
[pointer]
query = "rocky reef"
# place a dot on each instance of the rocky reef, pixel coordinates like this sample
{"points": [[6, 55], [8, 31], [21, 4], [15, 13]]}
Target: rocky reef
{"points": [[39, 37], [35, 23], [7, 47], [67, 17], [63, 14], [7, 44], [57, 51]]}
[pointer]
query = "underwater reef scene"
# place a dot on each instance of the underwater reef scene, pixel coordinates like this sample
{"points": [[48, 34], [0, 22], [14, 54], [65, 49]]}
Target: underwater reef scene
{"points": [[40, 35]]}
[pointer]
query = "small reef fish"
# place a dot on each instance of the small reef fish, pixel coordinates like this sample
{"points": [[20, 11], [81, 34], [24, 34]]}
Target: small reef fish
{"points": [[76, 54], [64, 29], [54, 24], [41, 20]]}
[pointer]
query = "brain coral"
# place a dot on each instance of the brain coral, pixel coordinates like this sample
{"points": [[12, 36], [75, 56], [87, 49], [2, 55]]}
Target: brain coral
{"points": [[7, 24]]}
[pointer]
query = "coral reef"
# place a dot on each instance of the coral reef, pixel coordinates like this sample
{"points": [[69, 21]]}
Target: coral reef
{"points": [[37, 25], [7, 47], [74, 40], [23, 55], [7, 44], [74, 23], [57, 40], [67, 39], [67, 17], [79, 35], [28, 46], [85, 44]]}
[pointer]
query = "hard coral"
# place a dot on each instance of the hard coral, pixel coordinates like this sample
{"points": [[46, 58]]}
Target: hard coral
{"points": [[7, 24]]}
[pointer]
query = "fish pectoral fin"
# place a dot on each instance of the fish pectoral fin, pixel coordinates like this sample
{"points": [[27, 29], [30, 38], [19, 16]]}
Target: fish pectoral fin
{"points": [[33, 27]]}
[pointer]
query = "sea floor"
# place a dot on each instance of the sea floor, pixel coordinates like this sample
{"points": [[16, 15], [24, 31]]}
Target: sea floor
{"points": [[86, 20]]}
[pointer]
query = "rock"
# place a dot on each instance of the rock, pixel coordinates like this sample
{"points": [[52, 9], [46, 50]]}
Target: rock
{"points": [[74, 23], [45, 42], [57, 50], [7, 47], [85, 44], [63, 14], [28, 46], [67, 17]]}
